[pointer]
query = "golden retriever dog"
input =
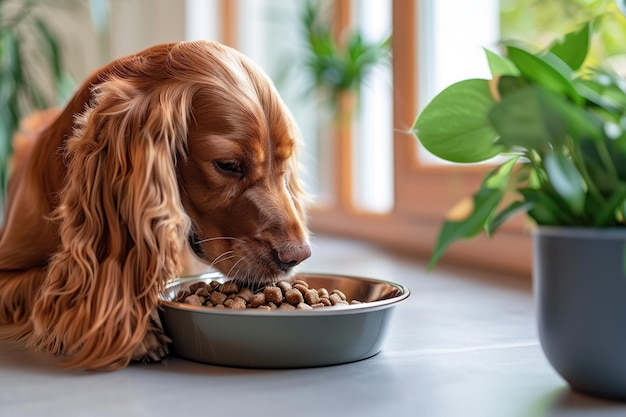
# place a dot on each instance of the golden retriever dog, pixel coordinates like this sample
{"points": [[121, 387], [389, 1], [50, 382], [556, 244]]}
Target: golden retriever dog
{"points": [[179, 153]]}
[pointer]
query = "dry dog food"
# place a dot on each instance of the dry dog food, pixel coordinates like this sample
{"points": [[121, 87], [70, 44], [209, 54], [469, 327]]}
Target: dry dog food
{"points": [[283, 295]]}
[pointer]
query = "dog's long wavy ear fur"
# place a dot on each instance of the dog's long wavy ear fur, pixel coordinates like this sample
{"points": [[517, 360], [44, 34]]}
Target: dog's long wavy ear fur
{"points": [[122, 225]]}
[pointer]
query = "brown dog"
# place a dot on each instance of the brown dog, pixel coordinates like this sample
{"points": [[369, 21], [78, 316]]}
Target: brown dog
{"points": [[180, 148]]}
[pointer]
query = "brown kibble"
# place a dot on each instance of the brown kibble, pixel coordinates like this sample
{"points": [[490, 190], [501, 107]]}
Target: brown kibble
{"points": [[194, 300], [311, 297], [284, 286], [258, 300], [326, 302], [182, 295], [229, 287], [334, 298], [236, 303], [246, 294], [195, 286], [303, 289], [283, 295], [340, 294], [300, 282], [202, 291], [293, 297], [218, 298], [273, 294]]}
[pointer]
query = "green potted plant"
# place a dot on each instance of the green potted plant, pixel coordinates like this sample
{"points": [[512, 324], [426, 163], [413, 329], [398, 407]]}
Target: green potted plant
{"points": [[562, 130]]}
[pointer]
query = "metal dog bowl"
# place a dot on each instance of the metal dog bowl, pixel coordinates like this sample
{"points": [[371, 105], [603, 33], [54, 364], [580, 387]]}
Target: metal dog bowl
{"points": [[283, 339]]}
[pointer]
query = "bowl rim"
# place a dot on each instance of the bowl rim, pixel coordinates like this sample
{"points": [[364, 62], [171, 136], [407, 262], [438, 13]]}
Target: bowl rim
{"points": [[404, 293]]}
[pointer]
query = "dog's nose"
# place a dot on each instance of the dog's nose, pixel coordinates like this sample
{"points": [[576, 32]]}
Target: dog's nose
{"points": [[291, 255]]}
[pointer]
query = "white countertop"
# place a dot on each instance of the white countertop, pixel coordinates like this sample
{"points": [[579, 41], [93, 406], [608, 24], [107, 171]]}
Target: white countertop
{"points": [[463, 344]]}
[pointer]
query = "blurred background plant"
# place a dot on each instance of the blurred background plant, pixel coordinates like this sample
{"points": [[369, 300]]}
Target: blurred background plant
{"points": [[32, 74], [335, 65]]}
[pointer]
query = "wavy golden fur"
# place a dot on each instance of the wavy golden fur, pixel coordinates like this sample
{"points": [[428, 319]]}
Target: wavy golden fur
{"points": [[179, 153]]}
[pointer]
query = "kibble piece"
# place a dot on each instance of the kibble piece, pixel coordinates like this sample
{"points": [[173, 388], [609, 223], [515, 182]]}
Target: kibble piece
{"points": [[304, 306], [326, 302], [246, 294], [265, 308], [182, 295], [286, 306], [236, 303], [258, 300], [229, 287], [311, 297], [202, 291], [300, 282], [273, 294], [303, 289], [323, 292], [284, 286], [294, 297], [214, 284], [195, 286], [194, 300], [218, 298], [334, 298], [340, 294], [318, 305], [272, 305], [355, 302]]}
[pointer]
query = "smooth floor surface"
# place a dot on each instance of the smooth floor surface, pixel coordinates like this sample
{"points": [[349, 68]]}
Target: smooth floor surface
{"points": [[464, 344]]}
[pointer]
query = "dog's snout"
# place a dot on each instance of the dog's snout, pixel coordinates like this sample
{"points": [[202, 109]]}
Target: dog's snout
{"points": [[291, 255]]}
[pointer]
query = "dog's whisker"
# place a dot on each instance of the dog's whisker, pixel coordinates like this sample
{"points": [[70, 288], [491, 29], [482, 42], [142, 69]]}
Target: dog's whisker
{"points": [[234, 265], [221, 257], [218, 238]]}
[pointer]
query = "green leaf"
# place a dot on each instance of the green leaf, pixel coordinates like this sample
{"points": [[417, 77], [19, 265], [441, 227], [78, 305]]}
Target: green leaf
{"points": [[508, 84], [499, 65], [485, 201], [573, 48], [606, 215], [566, 180], [454, 125], [545, 210], [505, 214], [520, 120], [541, 72]]}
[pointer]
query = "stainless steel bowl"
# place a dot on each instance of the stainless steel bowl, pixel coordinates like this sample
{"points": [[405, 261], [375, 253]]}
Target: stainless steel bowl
{"points": [[284, 339]]}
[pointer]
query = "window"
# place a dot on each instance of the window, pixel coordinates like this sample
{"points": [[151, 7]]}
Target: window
{"points": [[370, 178]]}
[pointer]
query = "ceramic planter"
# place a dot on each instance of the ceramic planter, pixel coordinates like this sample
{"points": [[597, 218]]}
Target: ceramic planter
{"points": [[580, 290]]}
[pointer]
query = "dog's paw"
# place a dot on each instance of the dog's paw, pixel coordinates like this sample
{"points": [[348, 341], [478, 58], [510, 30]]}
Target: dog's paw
{"points": [[154, 345]]}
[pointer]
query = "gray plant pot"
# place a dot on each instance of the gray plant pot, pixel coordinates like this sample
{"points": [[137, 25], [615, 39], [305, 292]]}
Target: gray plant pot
{"points": [[580, 291]]}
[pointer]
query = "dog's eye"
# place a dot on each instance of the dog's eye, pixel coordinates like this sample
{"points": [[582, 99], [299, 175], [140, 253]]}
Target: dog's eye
{"points": [[230, 168]]}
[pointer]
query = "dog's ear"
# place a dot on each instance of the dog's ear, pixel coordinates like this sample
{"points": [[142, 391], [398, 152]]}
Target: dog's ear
{"points": [[121, 223]]}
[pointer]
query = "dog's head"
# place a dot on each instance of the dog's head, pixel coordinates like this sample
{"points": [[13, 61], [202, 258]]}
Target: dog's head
{"points": [[189, 142], [238, 179]]}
